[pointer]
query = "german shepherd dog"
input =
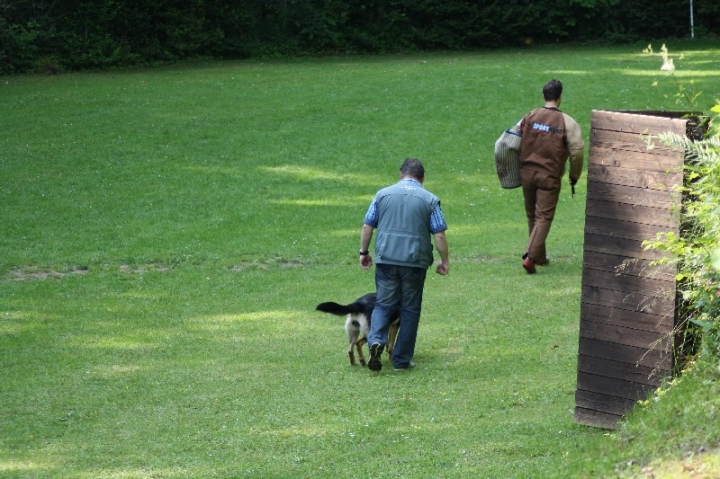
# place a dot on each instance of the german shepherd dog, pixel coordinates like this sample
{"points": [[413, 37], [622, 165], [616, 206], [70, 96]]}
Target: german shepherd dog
{"points": [[357, 323]]}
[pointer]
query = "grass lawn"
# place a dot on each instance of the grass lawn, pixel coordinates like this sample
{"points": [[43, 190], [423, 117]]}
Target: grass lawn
{"points": [[167, 233]]}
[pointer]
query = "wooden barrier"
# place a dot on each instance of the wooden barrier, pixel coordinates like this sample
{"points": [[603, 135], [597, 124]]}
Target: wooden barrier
{"points": [[628, 306]]}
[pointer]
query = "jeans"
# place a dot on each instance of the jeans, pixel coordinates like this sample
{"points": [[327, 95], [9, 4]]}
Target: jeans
{"points": [[397, 287]]}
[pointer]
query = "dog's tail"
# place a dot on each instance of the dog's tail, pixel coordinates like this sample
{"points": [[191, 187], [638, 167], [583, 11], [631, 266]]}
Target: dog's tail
{"points": [[340, 309]]}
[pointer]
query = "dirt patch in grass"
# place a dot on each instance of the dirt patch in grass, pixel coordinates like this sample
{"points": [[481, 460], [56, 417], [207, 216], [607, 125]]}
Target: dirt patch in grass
{"points": [[33, 273], [270, 263], [139, 269]]}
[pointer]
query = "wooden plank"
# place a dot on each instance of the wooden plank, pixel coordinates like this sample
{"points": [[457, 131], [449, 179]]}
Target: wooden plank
{"points": [[635, 301], [628, 354], [606, 155], [653, 180], [613, 387], [630, 195], [632, 142], [625, 229], [629, 283], [660, 114], [645, 123], [621, 264], [592, 418], [620, 370], [603, 402], [621, 246], [629, 319], [636, 214], [636, 338]]}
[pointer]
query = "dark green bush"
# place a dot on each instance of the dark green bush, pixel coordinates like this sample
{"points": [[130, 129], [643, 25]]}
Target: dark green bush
{"points": [[81, 34]]}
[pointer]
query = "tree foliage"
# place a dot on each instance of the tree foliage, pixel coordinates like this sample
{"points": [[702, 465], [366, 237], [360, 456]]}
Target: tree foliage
{"points": [[81, 34]]}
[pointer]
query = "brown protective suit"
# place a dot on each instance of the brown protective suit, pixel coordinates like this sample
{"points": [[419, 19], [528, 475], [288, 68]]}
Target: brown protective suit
{"points": [[549, 138]]}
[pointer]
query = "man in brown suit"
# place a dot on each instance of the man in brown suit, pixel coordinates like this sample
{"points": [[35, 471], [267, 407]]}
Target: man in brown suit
{"points": [[549, 139]]}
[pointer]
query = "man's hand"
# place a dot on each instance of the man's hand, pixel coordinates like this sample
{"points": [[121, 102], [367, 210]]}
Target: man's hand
{"points": [[443, 268], [366, 261]]}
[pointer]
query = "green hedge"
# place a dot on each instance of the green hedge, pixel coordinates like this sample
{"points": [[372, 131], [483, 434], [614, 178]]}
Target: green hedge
{"points": [[37, 35]]}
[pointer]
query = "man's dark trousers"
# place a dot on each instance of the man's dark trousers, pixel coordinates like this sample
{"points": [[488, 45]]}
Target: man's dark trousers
{"points": [[398, 286]]}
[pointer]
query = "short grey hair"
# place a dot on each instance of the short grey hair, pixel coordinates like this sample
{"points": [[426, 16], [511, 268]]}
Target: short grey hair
{"points": [[413, 168]]}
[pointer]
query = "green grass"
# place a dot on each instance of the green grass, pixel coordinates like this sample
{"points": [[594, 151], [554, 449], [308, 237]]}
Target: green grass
{"points": [[674, 434], [167, 234]]}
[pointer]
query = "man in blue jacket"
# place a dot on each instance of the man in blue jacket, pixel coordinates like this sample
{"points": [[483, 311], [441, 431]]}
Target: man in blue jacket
{"points": [[405, 215]]}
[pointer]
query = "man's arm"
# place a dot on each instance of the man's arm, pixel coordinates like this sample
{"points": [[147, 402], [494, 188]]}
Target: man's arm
{"points": [[442, 247], [365, 236], [576, 148]]}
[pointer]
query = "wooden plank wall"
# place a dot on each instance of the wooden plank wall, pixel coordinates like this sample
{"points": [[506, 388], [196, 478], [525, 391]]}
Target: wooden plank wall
{"points": [[628, 306]]}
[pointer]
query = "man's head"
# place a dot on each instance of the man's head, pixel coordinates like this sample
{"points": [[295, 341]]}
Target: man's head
{"points": [[552, 91], [412, 168]]}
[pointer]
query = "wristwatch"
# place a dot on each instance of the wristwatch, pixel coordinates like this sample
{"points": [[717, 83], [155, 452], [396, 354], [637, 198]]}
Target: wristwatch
{"points": [[364, 253]]}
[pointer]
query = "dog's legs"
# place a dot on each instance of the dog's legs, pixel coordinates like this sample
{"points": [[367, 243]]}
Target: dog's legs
{"points": [[394, 327], [359, 345], [351, 352], [351, 329]]}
